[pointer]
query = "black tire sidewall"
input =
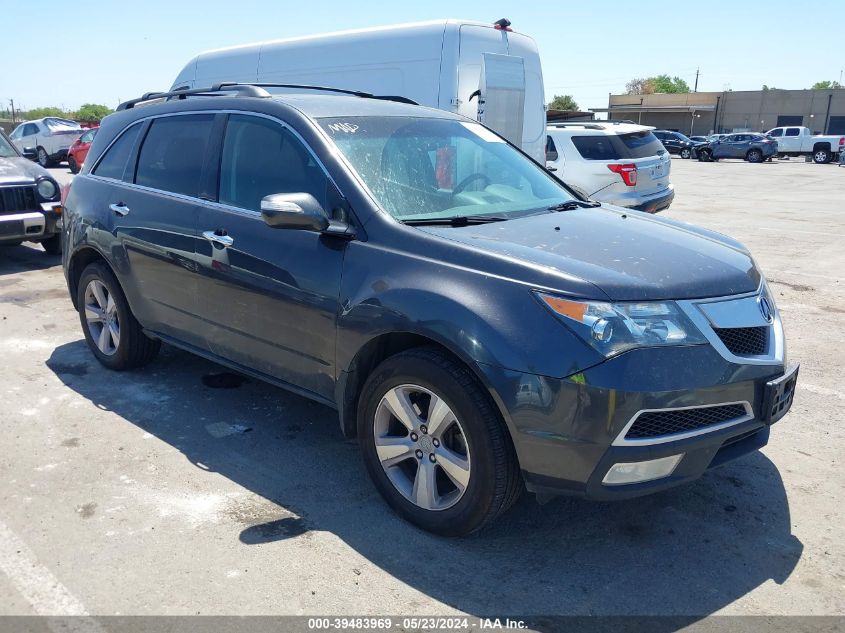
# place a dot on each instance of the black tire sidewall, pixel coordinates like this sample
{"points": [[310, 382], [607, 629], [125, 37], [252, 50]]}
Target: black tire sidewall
{"points": [[754, 156], [71, 164], [38, 152], [120, 359], [470, 511]]}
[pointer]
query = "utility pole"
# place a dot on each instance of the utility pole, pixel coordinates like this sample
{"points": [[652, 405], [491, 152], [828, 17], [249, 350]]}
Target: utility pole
{"points": [[12, 102], [696, 80]]}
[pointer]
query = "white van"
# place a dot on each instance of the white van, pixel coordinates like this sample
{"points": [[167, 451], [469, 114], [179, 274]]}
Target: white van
{"points": [[486, 72]]}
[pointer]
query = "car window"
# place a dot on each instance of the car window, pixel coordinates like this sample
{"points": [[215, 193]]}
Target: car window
{"points": [[776, 132], [420, 167], [30, 129], [638, 144], [596, 147], [113, 163], [173, 153], [260, 158], [792, 131], [6, 148], [551, 150], [88, 136]]}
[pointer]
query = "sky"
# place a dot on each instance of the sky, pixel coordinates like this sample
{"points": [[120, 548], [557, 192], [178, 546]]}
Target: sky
{"points": [[104, 51]]}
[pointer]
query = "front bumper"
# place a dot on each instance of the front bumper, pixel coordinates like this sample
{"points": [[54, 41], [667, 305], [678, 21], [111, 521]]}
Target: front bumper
{"points": [[567, 431], [30, 225]]}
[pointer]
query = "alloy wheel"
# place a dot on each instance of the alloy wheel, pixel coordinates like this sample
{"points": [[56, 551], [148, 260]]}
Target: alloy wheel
{"points": [[101, 317], [43, 159], [820, 156], [422, 447]]}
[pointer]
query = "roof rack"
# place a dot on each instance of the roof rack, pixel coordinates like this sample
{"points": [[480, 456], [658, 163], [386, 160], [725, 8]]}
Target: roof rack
{"points": [[251, 90], [590, 125]]}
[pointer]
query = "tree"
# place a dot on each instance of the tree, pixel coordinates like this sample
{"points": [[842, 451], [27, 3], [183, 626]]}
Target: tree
{"points": [[659, 83], [665, 83], [565, 103], [40, 113], [826, 85], [639, 87], [93, 112], [767, 88]]}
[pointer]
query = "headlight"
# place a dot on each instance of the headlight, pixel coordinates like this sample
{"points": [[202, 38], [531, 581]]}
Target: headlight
{"points": [[612, 328], [46, 189]]}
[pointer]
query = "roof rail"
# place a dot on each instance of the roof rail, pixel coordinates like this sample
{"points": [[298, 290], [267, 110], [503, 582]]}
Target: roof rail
{"points": [[250, 90], [593, 125]]}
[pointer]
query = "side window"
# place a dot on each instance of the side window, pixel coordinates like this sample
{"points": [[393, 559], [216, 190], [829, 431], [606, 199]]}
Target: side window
{"points": [[87, 137], [260, 157], [595, 147], [776, 132], [792, 131], [16, 134], [113, 163], [173, 153], [551, 150]]}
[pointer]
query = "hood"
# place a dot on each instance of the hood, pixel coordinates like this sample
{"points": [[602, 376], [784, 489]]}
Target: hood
{"points": [[17, 170], [629, 255]]}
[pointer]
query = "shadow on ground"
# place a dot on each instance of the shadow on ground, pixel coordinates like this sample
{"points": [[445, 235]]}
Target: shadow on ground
{"points": [[27, 256], [690, 551]]}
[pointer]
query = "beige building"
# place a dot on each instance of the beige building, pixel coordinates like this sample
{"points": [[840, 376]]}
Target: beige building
{"points": [[823, 111]]}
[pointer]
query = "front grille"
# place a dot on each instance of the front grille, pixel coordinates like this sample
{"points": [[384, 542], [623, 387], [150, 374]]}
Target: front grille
{"points": [[745, 341], [671, 421], [17, 199]]}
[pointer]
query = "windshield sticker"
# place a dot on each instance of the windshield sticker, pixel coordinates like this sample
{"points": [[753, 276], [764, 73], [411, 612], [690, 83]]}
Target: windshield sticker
{"points": [[348, 128], [482, 132]]}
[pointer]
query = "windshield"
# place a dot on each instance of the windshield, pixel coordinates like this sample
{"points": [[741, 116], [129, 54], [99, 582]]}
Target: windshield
{"points": [[6, 149], [418, 168], [682, 137]]}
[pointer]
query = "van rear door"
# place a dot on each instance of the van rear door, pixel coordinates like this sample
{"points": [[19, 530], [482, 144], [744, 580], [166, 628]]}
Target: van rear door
{"points": [[501, 105]]}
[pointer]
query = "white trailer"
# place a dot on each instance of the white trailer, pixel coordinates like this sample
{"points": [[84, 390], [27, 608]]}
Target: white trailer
{"points": [[484, 71]]}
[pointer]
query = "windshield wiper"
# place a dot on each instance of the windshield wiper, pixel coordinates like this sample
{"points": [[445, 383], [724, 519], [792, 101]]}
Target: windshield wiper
{"points": [[457, 220], [571, 205]]}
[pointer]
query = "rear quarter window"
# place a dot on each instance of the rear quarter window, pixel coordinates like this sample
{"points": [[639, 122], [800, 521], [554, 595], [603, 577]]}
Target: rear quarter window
{"points": [[641, 144], [596, 147], [113, 164]]}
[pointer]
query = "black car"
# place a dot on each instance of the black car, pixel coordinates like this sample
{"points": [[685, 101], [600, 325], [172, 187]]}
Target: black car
{"points": [[30, 209], [478, 326], [677, 143]]}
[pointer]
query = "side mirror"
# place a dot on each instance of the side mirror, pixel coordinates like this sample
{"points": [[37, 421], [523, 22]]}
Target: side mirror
{"points": [[30, 153], [298, 211]]}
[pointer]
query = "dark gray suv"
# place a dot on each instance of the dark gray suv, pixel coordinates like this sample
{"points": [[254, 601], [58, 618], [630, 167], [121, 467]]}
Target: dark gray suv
{"points": [[477, 325]]}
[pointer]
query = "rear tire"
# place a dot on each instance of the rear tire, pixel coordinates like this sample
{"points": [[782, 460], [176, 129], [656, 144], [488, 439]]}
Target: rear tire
{"points": [[471, 433], [71, 163], [821, 156], [754, 156], [113, 334], [53, 245]]}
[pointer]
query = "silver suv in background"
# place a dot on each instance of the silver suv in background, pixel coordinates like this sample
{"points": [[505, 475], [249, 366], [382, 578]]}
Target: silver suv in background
{"points": [[618, 163], [50, 137]]}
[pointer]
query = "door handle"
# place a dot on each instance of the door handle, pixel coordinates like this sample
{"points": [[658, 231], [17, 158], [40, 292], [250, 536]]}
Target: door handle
{"points": [[219, 238], [119, 208]]}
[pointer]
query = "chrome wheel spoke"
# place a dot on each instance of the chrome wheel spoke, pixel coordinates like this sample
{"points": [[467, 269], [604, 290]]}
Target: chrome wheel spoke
{"points": [[392, 450], [114, 334], [455, 466], [99, 292], [103, 340], [440, 416], [93, 314], [425, 486], [400, 406]]}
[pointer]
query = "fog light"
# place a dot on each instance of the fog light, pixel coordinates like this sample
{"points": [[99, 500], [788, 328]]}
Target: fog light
{"points": [[634, 472]]}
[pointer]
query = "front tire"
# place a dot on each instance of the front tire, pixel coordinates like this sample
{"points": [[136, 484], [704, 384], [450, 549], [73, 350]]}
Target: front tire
{"points": [[705, 155], [685, 153], [113, 334], [754, 156], [71, 163], [434, 444], [821, 156], [43, 158]]}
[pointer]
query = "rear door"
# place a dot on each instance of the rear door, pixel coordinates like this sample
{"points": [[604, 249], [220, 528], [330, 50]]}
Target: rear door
{"points": [[269, 296], [155, 214], [501, 105]]}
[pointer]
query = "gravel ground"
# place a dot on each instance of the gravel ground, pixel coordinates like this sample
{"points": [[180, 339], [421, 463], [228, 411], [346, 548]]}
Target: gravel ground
{"points": [[151, 493]]}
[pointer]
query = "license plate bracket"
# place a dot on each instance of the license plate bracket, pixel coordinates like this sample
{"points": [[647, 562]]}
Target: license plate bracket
{"points": [[779, 394]]}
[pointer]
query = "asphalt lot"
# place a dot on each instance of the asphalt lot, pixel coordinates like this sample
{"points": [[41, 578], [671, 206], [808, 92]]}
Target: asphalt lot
{"points": [[133, 493]]}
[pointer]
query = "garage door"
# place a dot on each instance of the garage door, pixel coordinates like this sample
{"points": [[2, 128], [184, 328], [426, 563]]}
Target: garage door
{"points": [[836, 125], [789, 119]]}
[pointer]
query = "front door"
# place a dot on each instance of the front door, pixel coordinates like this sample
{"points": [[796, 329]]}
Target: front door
{"points": [[270, 296]]}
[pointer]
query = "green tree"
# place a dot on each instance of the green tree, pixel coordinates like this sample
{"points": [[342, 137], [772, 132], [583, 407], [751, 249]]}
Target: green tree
{"points": [[826, 85], [40, 113], [93, 112], [640, 87], [565, 103], [665, 83]]}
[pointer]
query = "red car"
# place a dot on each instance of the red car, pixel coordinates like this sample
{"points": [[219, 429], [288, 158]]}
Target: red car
{"points": [[79, 150]]}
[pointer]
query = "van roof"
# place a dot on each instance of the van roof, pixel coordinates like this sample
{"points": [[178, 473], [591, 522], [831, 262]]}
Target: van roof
{"points": [[316, 105], [434, 24]]}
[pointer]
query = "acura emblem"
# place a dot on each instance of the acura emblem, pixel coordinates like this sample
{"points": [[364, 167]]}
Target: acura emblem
{"points": [[766, 309]]}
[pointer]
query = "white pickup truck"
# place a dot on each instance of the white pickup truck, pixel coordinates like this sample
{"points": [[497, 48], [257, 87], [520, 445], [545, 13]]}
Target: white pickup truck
{"points": [[800, 141]]}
